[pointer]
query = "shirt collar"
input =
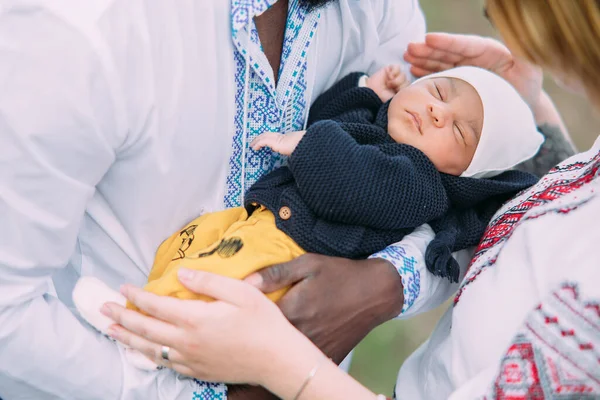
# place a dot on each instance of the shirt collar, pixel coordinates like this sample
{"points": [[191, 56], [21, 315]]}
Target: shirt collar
{"points": [[243, 11]]}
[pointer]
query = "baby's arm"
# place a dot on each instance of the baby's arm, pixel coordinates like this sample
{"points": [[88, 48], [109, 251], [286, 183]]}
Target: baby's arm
{"points": [[344, 181], [346, 96], [339, 178], [281, 143], [385, 83], [342, 97]]}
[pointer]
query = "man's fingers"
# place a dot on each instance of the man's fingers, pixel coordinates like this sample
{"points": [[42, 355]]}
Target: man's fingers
{"points": [[143, 327], [280, 276], [232, 291]]}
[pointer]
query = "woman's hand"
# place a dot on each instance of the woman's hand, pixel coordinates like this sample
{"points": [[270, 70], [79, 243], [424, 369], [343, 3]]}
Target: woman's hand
{"points": [[238, 338], [281, 143], [442, 51], [387, 82]]}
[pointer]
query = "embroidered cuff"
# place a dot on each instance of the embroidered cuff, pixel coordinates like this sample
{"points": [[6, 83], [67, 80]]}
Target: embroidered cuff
{"points": [[210, 391], [406, 266]]}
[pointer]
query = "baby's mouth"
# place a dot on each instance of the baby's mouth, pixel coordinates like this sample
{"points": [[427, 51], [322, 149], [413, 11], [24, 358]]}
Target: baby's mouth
{"points": [[416, 120]]}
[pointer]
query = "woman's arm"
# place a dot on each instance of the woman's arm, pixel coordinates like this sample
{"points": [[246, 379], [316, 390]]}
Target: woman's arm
{"points": [[205, 340], [557, 146]]}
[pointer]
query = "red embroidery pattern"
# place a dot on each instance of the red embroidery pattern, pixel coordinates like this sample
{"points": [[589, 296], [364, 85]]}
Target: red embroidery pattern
{"points": [[549, 358], [545, 191]]}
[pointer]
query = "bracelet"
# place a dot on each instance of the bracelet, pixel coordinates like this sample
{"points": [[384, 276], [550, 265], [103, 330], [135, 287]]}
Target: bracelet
{"points": [[311, 374]]}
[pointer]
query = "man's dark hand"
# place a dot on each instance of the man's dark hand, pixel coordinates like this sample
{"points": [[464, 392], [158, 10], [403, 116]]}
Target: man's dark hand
{"points": [[335, 302], [247, 392]]}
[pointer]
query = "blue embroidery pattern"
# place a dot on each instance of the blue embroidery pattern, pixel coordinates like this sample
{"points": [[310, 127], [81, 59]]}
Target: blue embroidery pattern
{"points": [[210, 391], [242, 11], [268, 109], [406, 266]]}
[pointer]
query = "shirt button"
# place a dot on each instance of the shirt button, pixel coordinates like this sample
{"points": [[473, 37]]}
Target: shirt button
{"points": [[285, 213]]}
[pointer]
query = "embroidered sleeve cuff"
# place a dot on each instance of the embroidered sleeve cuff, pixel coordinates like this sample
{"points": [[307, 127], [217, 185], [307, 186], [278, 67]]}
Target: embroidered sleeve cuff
{"points": [[210, 391], [405, 265], [422, 290]]}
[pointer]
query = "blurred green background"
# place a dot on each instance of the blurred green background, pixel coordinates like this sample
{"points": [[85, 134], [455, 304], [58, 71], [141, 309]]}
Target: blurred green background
{"points": [[380, 355]]}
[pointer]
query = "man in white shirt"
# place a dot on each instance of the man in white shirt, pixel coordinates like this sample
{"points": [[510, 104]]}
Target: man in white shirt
{"points": [[102, 102]]}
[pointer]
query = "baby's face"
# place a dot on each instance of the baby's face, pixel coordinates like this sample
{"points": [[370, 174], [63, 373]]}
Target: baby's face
{"points": [[442, 117]]}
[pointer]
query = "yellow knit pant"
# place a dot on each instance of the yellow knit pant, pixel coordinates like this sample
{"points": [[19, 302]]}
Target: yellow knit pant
{"points": [[228, 243]]}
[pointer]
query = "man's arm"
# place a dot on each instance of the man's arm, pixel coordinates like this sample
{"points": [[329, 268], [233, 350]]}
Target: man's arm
{"points": [[58, 133], [401, 22]]}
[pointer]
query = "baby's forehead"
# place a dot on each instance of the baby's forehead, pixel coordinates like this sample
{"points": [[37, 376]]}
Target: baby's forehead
{"points": [[456, 86], [460, 86], [468, 94]]}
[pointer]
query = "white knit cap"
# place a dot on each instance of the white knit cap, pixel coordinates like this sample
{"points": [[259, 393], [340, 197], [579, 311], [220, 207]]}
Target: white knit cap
{"points": [[509, 135]]}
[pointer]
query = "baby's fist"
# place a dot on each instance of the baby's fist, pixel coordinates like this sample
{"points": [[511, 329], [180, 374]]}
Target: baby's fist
{"points": [[387, 82]]}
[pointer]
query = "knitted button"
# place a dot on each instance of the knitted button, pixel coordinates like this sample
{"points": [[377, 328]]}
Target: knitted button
{"points": [[285, 213]]}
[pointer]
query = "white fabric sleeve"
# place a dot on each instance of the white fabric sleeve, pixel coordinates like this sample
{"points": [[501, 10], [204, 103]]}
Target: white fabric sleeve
{"points": [[401, 22], [549, 267], [422, 290], [362, 81], [59, 132]]}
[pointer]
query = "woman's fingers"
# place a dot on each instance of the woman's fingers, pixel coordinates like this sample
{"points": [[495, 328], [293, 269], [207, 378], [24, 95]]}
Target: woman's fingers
{"points": [[419, 72], [148, 348], [423, 51], [164, 308], [463, 45], [219, 287], [186, 371], [427, 63], [141, 327]]}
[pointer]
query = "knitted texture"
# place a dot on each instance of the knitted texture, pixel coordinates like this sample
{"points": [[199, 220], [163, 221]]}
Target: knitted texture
{"points": [[353, 191]]}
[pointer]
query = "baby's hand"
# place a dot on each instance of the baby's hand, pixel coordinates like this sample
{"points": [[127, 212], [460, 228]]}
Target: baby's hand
{"points": [[387, 82], [282, 143]]}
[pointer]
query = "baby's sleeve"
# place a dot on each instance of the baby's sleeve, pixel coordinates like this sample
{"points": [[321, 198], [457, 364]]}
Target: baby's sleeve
{"points": [[421, 289]]}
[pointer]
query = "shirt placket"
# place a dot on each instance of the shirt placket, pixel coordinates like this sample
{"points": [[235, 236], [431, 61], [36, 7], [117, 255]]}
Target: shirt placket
{"points": [[260, 105]]}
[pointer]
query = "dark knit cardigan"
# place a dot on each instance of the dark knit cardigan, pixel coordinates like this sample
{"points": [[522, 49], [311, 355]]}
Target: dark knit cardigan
{"points": [[352, 191]]}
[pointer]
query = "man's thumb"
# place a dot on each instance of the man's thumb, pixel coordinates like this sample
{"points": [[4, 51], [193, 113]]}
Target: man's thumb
{"points": [[276, 277]]}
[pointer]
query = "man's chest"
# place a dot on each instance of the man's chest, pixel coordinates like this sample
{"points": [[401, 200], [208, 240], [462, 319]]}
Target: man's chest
{"points": [[187, 97]]}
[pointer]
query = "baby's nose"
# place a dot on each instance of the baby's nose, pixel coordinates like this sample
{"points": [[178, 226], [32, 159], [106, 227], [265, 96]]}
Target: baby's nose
{"points": [[438, 115]]}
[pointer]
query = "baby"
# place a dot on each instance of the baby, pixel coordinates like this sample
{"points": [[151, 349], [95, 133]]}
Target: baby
{"points": [[365, 173]]}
